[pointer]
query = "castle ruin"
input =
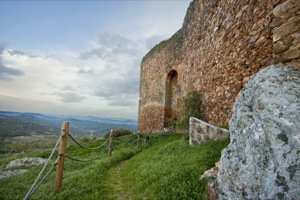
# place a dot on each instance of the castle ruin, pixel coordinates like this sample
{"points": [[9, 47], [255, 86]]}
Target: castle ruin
{"points": [[221, 44]]}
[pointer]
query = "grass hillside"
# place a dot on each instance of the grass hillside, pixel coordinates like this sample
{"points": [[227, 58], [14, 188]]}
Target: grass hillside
{"points": [[21, 129], [165, 167]]}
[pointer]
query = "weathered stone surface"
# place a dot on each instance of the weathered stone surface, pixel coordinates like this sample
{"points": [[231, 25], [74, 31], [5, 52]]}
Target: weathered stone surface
{"points": [[9, 173], [295, 64], [200, 131], [284, 7], [262, 160], [211, 173], [26, 162], [220, 44], [292, 53], [282, 46], [286, 29], [153, 117], [212, 190]]}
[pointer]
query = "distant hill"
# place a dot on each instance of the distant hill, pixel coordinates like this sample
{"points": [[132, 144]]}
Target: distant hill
{"points": [[14, 124]]}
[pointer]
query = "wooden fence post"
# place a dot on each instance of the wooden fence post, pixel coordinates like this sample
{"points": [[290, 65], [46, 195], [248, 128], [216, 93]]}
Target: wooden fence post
{"points": [[139, 140], [61, 154], [111, 142]]}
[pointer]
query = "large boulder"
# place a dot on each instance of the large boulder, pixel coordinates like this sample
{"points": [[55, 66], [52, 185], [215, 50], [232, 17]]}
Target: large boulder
{"points": [[262, 160]]}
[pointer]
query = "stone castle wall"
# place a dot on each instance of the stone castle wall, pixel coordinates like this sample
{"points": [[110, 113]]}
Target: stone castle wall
{"points": [[221, 43]]}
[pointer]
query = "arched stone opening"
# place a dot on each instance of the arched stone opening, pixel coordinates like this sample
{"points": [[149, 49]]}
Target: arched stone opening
{"points": [[171, 96]]}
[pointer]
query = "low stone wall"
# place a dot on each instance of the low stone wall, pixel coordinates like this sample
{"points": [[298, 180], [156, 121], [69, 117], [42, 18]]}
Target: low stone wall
{"points": [[200, 131]]}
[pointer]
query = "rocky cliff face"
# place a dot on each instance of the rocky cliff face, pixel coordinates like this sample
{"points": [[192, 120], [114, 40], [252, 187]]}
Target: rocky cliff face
{"points": [[262, 160]]}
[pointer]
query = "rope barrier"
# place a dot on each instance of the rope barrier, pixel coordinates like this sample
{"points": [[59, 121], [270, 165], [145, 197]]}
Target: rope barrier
{"points": [[30, 191], [95, 148], [48, 173], [90, 160], [38, 183], [127, 142], [130, 141], [119, 139], [115, 147], [146, 138]]}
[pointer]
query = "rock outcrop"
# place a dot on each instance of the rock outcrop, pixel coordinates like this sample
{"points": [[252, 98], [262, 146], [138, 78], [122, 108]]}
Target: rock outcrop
{"points": [[211, 175], [22, 163], [26, 162], [9, 173], [262, 160]]}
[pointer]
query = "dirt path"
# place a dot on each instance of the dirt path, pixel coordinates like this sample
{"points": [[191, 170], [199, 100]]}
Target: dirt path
{"points": [[114, 179], [119, 189]]}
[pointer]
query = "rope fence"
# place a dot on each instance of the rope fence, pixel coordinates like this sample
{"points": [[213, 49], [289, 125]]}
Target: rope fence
{"points": [[88, 148], [129, 141], [90, 160], [34, 187], [107, 146], [48, 173]]}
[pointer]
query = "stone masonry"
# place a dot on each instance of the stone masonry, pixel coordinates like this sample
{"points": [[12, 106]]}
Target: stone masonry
{"points": [[221, 44], [200, 131]]}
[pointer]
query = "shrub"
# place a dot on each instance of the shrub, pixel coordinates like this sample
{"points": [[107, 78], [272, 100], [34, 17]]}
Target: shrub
{"points": [[118, 133], [87, 138], [191, 108]]}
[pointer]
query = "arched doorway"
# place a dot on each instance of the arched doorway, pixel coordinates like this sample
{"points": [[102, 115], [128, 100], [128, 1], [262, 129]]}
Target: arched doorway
{"points": [[171, 96]]}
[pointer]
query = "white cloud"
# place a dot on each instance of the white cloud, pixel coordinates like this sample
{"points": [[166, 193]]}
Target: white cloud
{"points": [[70, 97], [6, 73], [102, 77], [105, 76], [42, 76]]}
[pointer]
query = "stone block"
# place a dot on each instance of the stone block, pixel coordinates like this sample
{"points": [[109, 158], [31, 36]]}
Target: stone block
{"points": [[286, 29], [282, 8], [283, 45], [200, 131], [293, 53]]}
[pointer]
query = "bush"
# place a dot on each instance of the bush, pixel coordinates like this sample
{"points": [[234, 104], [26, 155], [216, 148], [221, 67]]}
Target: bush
{"points": [[192, 105], [87, 138], [191, 108], [118, 133]]}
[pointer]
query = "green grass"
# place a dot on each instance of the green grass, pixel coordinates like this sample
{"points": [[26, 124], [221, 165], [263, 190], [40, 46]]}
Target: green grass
{"points": [[16, 147], [165, 168], [170, 169]]}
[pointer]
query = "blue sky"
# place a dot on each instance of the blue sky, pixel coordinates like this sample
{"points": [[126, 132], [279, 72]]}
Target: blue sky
{"points": [[79, 57]]}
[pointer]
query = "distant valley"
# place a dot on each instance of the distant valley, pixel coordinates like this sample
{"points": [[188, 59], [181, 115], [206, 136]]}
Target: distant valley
{"points": [[25, 127]]}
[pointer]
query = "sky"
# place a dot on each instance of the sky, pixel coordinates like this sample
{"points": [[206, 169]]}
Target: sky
{"points": [[80, 57]]}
